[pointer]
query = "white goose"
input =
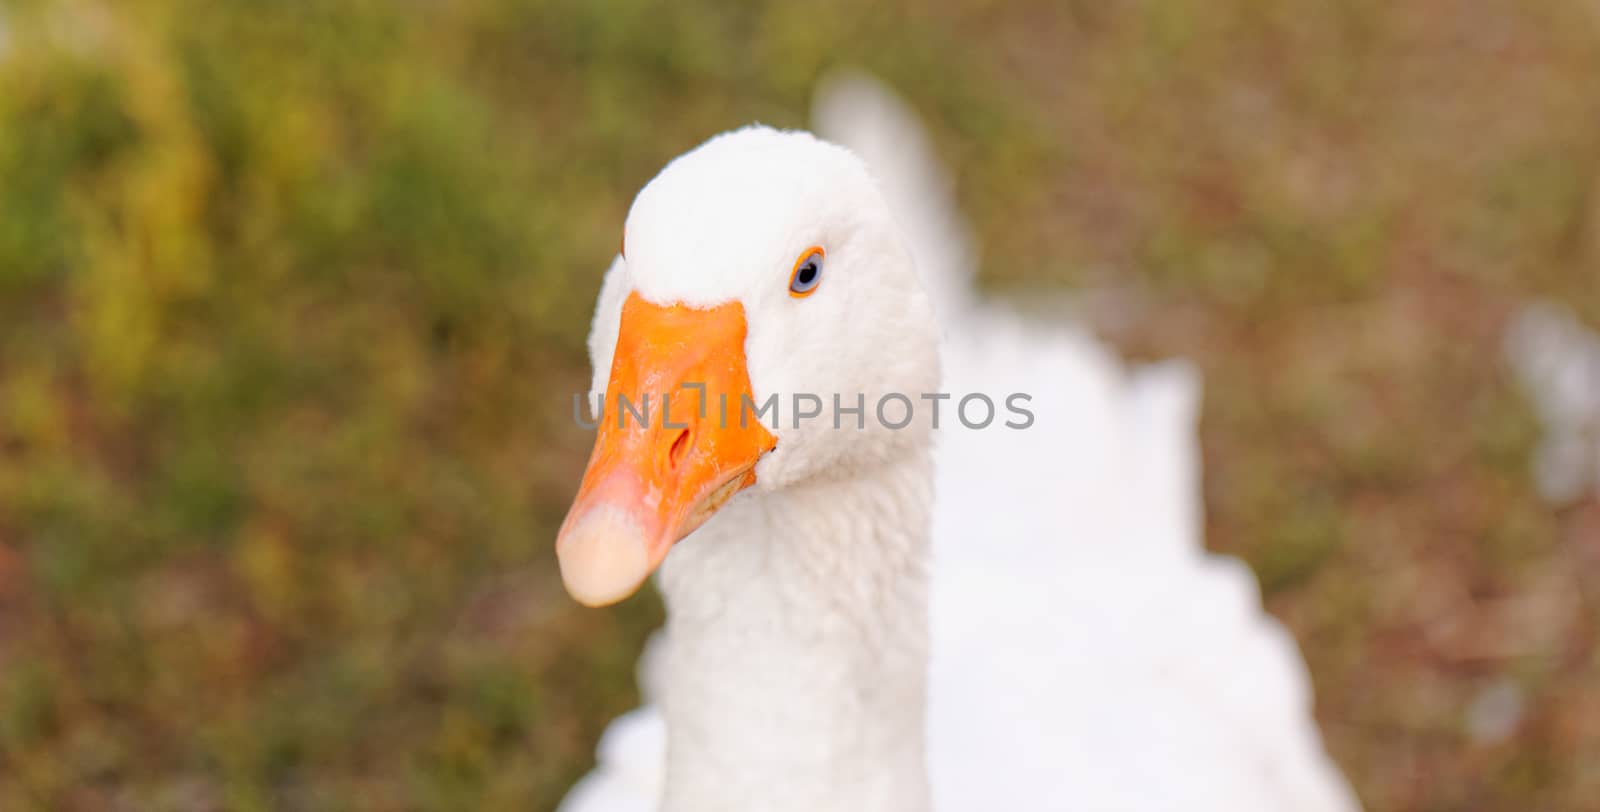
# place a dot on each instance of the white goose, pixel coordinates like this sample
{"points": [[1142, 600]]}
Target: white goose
{"points": [[1047, 633]]}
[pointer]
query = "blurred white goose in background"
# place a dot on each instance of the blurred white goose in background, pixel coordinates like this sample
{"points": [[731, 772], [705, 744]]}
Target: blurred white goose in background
{"points": [[954, 619], [1558, 361]]}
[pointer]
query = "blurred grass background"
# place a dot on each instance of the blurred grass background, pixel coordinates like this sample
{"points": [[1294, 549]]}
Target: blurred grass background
{"points": [[293, 297]]}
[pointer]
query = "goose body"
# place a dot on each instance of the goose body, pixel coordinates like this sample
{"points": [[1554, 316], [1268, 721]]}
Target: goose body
{"points": [[950, 618]]}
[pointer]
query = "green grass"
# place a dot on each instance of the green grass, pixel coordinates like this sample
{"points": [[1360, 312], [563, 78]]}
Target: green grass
{"points": [[292, 297]]}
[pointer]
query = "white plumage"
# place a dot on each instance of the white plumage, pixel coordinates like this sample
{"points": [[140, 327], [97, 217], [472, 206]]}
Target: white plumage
{"points": [[1084, 652]]}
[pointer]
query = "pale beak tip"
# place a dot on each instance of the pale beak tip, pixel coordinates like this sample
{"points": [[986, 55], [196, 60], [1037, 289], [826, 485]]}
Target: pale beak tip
{"points": [[603, 556]]}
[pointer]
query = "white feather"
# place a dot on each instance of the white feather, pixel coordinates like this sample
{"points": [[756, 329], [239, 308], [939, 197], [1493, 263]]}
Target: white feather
{"points": [[1558, 360], [1085, 651]]}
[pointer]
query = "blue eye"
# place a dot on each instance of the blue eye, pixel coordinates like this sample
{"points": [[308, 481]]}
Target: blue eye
{"points": [[807, 273]]}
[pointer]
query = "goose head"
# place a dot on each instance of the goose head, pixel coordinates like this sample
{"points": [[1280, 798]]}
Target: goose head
{"points": [[765, 266]]}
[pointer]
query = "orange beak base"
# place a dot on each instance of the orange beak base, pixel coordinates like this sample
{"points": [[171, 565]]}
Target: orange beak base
{"points": [[672, 457]]}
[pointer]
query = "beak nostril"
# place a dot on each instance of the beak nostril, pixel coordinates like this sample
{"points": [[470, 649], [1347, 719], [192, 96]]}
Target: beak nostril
{"points": [[680, 447]]}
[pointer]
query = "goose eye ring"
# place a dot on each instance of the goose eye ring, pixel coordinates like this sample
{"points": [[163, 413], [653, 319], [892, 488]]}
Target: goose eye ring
{"points": [[807, 273]]}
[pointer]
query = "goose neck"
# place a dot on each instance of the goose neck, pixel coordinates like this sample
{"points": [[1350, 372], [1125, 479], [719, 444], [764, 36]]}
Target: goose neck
{"points": [[797, 643]]}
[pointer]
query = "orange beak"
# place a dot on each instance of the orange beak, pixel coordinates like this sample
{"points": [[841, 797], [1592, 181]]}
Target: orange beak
{"points": [[659, 472]]}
